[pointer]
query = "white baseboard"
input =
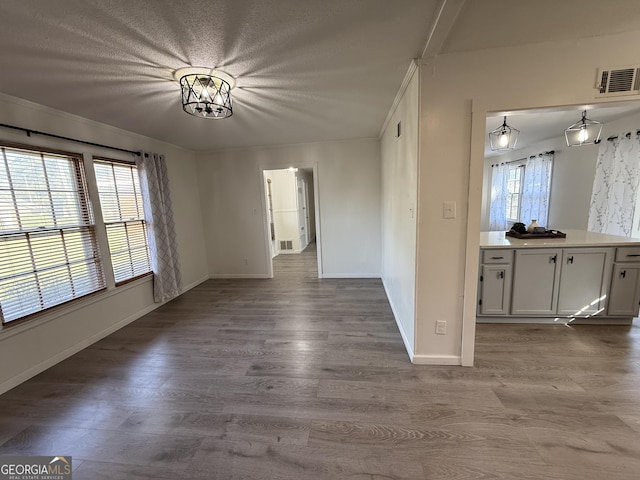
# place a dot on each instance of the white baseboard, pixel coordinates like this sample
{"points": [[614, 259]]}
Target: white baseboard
{"points": [[437, 359], [405, 339], [351, 275], [559, 321], [57, 358], [230, 276], [51, 361]]}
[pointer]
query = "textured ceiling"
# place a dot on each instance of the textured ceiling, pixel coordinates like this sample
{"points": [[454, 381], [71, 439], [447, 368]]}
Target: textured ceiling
{"points": [[307, 70]]}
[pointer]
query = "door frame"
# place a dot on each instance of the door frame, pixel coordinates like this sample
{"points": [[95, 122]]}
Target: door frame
{"points": [[265, 216]]}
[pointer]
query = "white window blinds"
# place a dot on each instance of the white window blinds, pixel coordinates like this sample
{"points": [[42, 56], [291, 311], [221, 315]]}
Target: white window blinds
{"points": [[48, 249], [121, 202]]}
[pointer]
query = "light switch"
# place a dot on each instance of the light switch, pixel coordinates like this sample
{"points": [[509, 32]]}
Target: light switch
{"points": [[449, 209]]}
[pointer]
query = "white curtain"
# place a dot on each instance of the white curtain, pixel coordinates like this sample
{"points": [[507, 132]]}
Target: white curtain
{"points": [[535, 189], [154, 184], [615, 186], [498, 207]]}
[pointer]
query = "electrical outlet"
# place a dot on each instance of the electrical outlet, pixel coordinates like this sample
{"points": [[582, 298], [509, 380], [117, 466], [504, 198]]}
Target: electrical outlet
{"points": [[246, 261], [441, 327]]}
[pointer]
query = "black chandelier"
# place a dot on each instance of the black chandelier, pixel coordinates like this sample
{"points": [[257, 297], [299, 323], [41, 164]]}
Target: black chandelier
{"points": [[206, 94]]}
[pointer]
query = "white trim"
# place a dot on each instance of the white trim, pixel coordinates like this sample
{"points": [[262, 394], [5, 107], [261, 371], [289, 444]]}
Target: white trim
{"points": [[403, 334], [51, 361], [218, 276], [413, 66], [444, 21], [352, 275], [266, 228], [558, 320], [437, 360], [316, 213]]}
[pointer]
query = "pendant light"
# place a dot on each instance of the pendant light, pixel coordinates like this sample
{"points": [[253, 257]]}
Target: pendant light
{"points": [[504, 137], [585, 132], [205, 92]]}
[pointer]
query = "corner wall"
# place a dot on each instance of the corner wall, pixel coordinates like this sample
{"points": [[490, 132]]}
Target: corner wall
{"points": [[348, 214], [457, 91], [34, 346], [399, 200]]}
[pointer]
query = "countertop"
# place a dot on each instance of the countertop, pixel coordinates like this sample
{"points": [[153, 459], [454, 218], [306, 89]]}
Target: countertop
{"points": [[575, 238]]}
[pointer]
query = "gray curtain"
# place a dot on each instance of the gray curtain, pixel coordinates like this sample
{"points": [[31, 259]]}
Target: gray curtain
{"points": [[161, 232]]}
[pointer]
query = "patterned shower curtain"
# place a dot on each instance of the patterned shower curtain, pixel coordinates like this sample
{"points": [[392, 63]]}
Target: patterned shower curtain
{"points": [[615, 186], [154, 184], [536, 188]]}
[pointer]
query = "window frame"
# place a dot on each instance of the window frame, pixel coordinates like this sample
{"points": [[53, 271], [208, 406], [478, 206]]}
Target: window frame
{"points": [[81, 182], [105, 224], [518, 165]]}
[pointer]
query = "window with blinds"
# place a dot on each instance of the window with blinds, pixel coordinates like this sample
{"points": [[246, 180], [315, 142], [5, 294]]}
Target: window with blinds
{"points": [[48, 249], [121, 202]]}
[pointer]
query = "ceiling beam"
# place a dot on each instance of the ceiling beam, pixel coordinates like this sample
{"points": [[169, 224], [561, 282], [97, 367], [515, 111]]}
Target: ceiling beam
{"points": [[441, 27]]}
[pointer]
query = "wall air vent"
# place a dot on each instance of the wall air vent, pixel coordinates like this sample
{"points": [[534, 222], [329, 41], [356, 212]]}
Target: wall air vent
{"points": [[286, 245], [614, 82]]}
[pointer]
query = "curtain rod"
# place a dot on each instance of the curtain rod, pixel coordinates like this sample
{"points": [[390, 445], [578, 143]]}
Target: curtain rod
{"points": [[628, 135], [550, 152], [28, 131]]}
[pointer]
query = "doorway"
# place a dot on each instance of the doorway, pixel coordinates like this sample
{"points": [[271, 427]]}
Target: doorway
{"points": [[292, 232]]}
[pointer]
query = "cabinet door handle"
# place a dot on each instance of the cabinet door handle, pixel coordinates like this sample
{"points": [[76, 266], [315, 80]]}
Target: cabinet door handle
{"points": [[623, 273], [570, 259], [554, 258], [633, 255], [497, 258], [501, 274]]}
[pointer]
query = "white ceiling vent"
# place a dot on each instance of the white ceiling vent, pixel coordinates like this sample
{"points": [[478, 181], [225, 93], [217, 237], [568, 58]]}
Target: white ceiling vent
{"points": [[614, 82]]}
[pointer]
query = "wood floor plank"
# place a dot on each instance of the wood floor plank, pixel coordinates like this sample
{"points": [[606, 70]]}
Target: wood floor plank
{"points": [[302, 378]]}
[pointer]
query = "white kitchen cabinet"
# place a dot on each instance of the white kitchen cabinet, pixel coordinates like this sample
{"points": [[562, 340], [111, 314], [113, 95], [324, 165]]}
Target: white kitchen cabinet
{"points": [[624, 295], [495, 290], [584, 280], [625, 291], [588, 277], [535, 281]]}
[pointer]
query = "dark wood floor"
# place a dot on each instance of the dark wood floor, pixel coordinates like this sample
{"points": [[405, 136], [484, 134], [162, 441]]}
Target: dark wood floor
{"points": [[300, 378]]}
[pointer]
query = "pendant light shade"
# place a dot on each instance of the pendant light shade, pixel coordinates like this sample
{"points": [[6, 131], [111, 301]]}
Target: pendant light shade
{"points": [[504, 137], [205, 92], [206, 96], [585, 132]]}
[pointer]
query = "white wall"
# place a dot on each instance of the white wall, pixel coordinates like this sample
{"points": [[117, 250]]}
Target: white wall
{"points": [[399, 199], [30, 348], [571, 182], [285, 208], [457, 91], [348, 179]]}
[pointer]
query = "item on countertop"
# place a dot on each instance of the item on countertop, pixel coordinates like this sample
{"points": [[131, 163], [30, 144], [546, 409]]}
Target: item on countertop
{"points": [[533, 225], [519, 227], [545, 234]]}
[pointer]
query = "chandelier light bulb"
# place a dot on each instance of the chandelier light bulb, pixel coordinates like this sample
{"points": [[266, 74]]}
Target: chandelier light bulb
{"points": [[205, 93], [504, 137], [583, 136]]}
